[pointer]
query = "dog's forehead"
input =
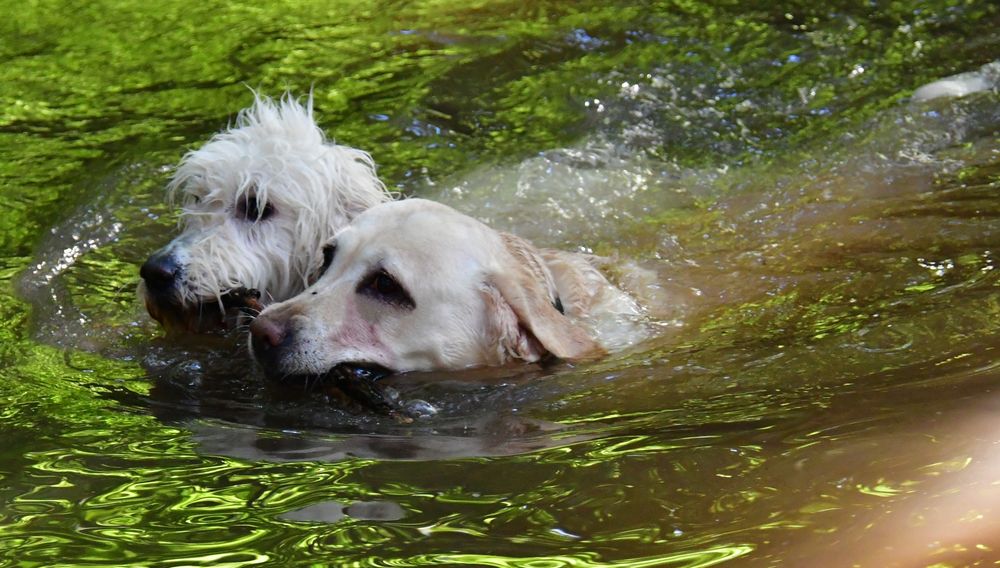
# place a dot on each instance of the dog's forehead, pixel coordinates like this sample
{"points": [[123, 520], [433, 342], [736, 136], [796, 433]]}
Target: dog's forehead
{"points": [[236, 162], [420, 221], [420, 233]]}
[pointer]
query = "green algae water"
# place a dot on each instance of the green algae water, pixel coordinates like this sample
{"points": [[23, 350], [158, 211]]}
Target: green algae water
{"points": [[822, 389]]}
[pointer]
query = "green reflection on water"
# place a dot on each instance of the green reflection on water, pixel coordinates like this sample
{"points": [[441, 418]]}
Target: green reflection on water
{"points": [[698, 559], [690, 446]]}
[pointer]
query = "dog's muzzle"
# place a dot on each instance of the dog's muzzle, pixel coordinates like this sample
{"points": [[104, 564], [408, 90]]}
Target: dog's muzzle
{"points": [[162, 278], [270, 341], [359, 382]]}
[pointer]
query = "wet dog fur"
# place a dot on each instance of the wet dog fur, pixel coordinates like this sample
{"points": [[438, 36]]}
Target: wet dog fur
{"points": [[414, 285], [258, 201]]}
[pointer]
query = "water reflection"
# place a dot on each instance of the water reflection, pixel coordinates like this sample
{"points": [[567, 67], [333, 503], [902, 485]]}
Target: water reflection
{"points": [[332, 511], [824, 289], [481, 436]]}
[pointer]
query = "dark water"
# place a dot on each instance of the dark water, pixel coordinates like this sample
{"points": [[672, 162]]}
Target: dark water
{"points": [[823, 387]]}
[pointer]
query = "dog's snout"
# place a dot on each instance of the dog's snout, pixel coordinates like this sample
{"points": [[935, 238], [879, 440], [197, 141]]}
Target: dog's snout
{"points": [[160, 272], [267, 338], [267, 332]]}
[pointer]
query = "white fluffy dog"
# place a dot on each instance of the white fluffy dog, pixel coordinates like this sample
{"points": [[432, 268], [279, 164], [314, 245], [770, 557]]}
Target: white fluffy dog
{"points": [[259, 200]]}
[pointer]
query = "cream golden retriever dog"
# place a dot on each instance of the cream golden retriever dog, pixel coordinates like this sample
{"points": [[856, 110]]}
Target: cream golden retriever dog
{"points": [[259, 200], [414, 285]]}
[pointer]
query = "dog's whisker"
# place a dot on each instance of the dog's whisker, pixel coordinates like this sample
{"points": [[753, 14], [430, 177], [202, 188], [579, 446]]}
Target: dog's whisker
{"points": [[312, 382]]}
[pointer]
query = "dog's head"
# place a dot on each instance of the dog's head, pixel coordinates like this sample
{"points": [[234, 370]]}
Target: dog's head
{"points": [[258, 202], [415, 285]]}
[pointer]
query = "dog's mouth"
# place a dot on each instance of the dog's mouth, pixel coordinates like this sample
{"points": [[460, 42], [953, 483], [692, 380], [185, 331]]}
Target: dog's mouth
{"points": [[359, 383], [243, 299], [206, 316], [202, 317]]}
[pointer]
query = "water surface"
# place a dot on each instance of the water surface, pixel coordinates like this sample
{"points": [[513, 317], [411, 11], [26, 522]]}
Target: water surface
{"points": [[821, 388]]}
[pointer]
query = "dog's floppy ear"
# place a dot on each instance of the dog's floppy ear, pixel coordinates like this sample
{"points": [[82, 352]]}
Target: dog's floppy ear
{"points": [[520, 299]]}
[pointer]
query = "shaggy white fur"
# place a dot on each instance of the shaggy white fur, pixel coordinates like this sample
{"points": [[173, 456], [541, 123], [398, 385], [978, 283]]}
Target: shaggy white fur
{"points": [[258, 201]]}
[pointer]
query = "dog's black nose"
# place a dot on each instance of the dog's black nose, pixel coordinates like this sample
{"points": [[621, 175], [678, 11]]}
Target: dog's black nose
{"points": [[160, 272]]}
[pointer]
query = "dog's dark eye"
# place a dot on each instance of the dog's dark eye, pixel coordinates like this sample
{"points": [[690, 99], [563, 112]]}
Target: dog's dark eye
{"points": [[381, 286], [249, 209], [329, 251]]}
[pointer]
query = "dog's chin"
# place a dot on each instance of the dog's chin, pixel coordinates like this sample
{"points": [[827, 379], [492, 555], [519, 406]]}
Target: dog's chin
{"points": [[358, 371], [338, 374], [204, 316], [177, 318], [356, 384]]}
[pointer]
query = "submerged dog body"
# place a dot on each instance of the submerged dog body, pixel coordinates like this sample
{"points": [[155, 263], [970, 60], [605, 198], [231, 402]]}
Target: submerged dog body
{"points": [[414, 285], [259, 200]]}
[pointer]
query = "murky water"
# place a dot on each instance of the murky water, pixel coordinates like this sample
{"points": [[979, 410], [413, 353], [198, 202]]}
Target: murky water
{"points": [[822, 386]]}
